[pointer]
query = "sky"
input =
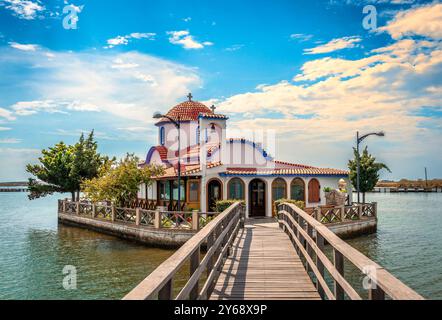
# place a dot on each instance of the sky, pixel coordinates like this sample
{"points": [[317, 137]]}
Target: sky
{"points": [[312, 72]]}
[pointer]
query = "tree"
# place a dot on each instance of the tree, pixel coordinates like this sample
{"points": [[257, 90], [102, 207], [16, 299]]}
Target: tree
{"points": [[54, 171], [63, 167], [368, 171], [119, 181]]}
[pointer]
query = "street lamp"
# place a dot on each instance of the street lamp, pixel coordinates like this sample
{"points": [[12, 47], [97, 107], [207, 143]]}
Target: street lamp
{"points": [[158, 115], [358, 141]]}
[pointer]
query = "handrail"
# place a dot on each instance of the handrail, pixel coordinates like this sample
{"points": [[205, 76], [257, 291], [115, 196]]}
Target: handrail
{"points": [[301, 228], [218, 235]]}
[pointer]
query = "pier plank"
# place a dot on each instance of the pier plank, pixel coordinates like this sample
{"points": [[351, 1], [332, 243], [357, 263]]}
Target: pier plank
{"points": [[263, 265]]}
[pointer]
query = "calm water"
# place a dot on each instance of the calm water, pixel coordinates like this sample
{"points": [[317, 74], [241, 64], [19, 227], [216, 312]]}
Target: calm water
{"points": [[34, 249]]}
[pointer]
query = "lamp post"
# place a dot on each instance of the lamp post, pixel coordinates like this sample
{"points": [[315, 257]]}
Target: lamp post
{"points": [[158, 115], [358, 141]]}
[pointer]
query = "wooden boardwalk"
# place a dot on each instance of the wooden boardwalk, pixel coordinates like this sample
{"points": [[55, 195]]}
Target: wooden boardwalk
{"points": [[263, 265]]}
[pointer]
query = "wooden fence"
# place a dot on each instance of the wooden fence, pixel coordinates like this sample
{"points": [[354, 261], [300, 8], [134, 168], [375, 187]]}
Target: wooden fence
{"points": [[192, 220], [218, 236], [336, 214], [309, 237]]}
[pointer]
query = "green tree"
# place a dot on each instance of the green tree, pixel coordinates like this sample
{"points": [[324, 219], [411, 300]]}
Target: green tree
{"points": [[368, 171], [63, 167], [54, 171], [119, 181]]}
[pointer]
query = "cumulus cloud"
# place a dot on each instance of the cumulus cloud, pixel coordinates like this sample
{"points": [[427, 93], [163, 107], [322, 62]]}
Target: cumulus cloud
{"points": [[23, 47], [334, 45], [186, 40], [128, 85], [23, 9], [124, 40], [384, 91], [424, 21]]}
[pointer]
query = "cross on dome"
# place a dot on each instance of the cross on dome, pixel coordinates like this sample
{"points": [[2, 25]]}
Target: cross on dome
{"points": [[213, 108], [190, 96]]}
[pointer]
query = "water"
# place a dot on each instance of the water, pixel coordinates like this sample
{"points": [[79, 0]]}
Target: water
{"points": [[408, 241], [34, 249]]}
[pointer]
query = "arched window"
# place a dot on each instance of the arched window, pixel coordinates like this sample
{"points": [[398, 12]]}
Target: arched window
{"points": [[313, 191], [297, 189], [279, 189], [162, 136], [236, 189]]}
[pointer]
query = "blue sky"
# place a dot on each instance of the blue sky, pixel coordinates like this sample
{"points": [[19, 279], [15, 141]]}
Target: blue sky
{"points": [[308, 70]]}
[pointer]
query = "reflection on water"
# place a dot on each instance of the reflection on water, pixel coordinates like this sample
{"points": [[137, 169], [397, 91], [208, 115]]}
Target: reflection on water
{"points": [[408, 240], [34, 249]]}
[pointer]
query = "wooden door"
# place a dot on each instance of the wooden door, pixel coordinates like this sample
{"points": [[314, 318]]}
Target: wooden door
{"points": [[257, 205]]}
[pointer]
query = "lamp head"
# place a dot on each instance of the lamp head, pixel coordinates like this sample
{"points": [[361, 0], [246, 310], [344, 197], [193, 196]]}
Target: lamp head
{"points": [[381, 134], [157, 115]]}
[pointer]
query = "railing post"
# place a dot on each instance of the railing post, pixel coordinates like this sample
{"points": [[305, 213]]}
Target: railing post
{"points": [[157, 220], [78, 208], [112, 212], [166, 292], [359, 211], [209, 245], [376, 293], [342, 213], [309, 247], [195, 220], [194, 263], [137, 216], [319, 264], [375, 209], [339, 265], [64, 206], [317, 213], [242, 216], [94, 210]]}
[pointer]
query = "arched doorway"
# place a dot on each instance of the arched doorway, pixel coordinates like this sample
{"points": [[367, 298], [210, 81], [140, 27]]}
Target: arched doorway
{"points": [[314, 191], [257, 198], [214, 193], [297, 189], [279, 191]]}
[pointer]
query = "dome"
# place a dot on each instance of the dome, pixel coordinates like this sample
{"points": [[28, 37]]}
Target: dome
{"points": [[187, 111]]}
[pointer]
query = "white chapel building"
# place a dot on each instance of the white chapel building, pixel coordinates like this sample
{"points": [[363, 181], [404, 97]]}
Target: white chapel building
{"points": [[215, 167]]}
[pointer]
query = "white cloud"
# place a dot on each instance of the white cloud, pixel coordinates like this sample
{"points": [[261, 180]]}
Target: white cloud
{"points": [[4, 128], [334, 45], [383, 91], [7, 114], [424, 21], [9, 141], [186, 40], [24, 47], [124, 40], [24, 9], [234, 47], [128, 85], [301, 37]]}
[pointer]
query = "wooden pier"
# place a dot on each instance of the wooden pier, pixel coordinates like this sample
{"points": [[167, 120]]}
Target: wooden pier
{"points": [[253, 260]]}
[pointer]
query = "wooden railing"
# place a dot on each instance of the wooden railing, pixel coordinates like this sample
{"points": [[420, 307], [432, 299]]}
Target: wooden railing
{"points": [[335, 214], [309, 237], [218, 237], [191, 220]]}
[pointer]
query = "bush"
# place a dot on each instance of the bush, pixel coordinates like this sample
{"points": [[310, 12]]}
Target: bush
{"points": [[327, 189], [222, 205], [300, 204]]}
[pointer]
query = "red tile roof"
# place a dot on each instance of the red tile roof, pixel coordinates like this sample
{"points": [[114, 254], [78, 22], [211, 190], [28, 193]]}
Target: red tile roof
{"points": [[283, 171], [187, 170], [187, 111]]}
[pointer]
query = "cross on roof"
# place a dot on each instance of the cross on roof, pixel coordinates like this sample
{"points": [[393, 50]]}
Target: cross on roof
{"points": [[190, 96], [213, 108]]}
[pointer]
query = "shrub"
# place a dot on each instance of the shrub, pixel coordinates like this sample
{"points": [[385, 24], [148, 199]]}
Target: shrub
{"points": [[222, 205], [298, 203], [327, 189]]}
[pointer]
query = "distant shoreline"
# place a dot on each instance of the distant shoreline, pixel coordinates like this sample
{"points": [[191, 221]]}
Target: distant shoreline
{"points": [[14, 184]]}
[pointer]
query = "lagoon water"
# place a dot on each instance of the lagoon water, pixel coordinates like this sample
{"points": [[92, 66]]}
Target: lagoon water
{"points": [[34, 249]]}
